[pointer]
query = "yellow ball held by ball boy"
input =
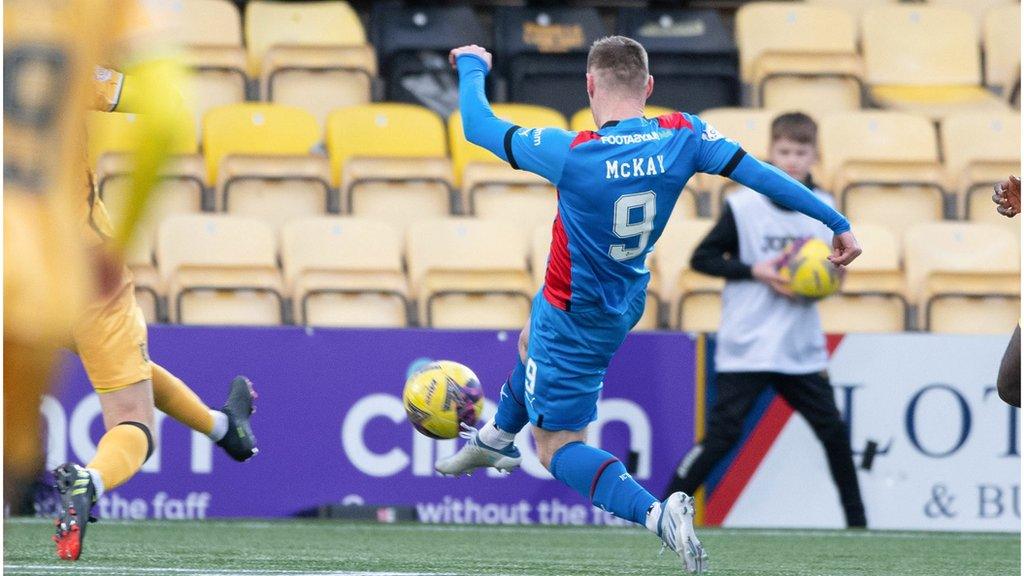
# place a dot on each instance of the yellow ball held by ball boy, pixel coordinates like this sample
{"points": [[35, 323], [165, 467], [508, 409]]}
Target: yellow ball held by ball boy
{"points": [[805, 266]]}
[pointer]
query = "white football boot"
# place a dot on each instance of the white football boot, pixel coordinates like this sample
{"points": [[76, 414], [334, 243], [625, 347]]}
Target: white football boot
{"points": [[675, 527], [475, 454]]}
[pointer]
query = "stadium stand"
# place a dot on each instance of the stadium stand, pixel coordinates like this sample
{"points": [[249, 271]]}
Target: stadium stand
{"points": [[964, 277], [385, 174], [979, 150], [883, 167], [873, 296], [469, 273], [412, 43], [220, 269], [924, 59], [751, 128], [149, 289], [799, 57], [211, 37], [343, 271], [542, 52], [1001, 40], [692, 56], [694, 301], [525, 115], [258, 157]]}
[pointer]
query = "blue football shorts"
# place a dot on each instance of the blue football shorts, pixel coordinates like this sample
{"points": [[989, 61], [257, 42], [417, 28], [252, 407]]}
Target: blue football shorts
{"points": [[567, 356]]}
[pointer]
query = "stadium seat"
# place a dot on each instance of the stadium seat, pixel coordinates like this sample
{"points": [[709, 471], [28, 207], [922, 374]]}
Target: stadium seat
{"points": [[220, 270], [412, 44], [118, 132], [498, 191], [924, 59], [344, 272], [319, 78], [965, 277], [978, 9], [979, 149], [1000, 37], [211, 38], [799, 57], [180, 191], [542, 52], [272, 24], [883, 167], [854, 7], [540, 247], [693, 299], [751, 128], [469, 273], [692, 55], [873, 296], [258, 156], [583, 119], [525, 115], [385, 173]]}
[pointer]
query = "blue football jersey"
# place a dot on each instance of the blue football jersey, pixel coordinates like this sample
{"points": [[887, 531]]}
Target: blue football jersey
{"points": [[616, 189]]}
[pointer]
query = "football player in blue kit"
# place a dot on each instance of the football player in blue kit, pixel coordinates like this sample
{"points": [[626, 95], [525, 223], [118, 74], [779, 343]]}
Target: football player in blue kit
{"points": [[616, 188]]}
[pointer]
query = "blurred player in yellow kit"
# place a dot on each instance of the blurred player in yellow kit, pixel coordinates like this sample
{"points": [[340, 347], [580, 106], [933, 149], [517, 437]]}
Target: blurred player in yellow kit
{"points": [[64, 283]]}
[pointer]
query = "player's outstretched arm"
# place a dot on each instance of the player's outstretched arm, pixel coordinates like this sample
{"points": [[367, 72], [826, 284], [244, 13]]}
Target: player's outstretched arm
{"points": [[479, 124], [782, 189]]}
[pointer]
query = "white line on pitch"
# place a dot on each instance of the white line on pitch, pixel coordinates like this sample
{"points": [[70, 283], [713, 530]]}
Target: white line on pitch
{"points": [[47, 569]]}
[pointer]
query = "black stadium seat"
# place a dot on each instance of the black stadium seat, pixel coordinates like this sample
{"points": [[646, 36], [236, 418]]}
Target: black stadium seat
{"points": [[412, 45], [693, 57], [543, 54]]}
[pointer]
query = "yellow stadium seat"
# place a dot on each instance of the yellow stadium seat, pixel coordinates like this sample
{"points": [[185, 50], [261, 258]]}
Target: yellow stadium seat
{"points": [[873, 297], [525, 115], [210, 36], [501, 192], [319, 78], [270, 24], [220, 270], [854, 7], [117, 132], [1001, 40], [965, 277], [751, 128], [924, 59], [469, 273], [979, 149], [883, 167], [274, 190], [257, 129], [978, 9], [693, 299], [583, 119], [180, 191], [344, 272], [800, 57], [391, 162]]}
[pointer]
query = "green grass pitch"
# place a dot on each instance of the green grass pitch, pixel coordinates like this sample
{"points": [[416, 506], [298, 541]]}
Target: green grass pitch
{"points": [[330, 548]]}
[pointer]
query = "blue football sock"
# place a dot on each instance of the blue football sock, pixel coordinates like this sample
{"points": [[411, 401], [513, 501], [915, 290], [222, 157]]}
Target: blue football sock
{"points": [[512, 415], [601, 478]]}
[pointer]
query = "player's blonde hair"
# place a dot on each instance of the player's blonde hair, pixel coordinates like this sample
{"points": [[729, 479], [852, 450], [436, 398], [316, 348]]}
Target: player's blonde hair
{"points": [[620, 63]]}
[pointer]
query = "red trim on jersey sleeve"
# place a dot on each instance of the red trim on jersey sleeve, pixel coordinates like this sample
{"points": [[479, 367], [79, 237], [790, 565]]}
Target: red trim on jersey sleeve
{"points": [[558, 278], [675, 121], [584, 136]]}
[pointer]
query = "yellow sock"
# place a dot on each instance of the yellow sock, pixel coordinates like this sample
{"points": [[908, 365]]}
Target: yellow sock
{"points": [[120, 453], [174, 398]]}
